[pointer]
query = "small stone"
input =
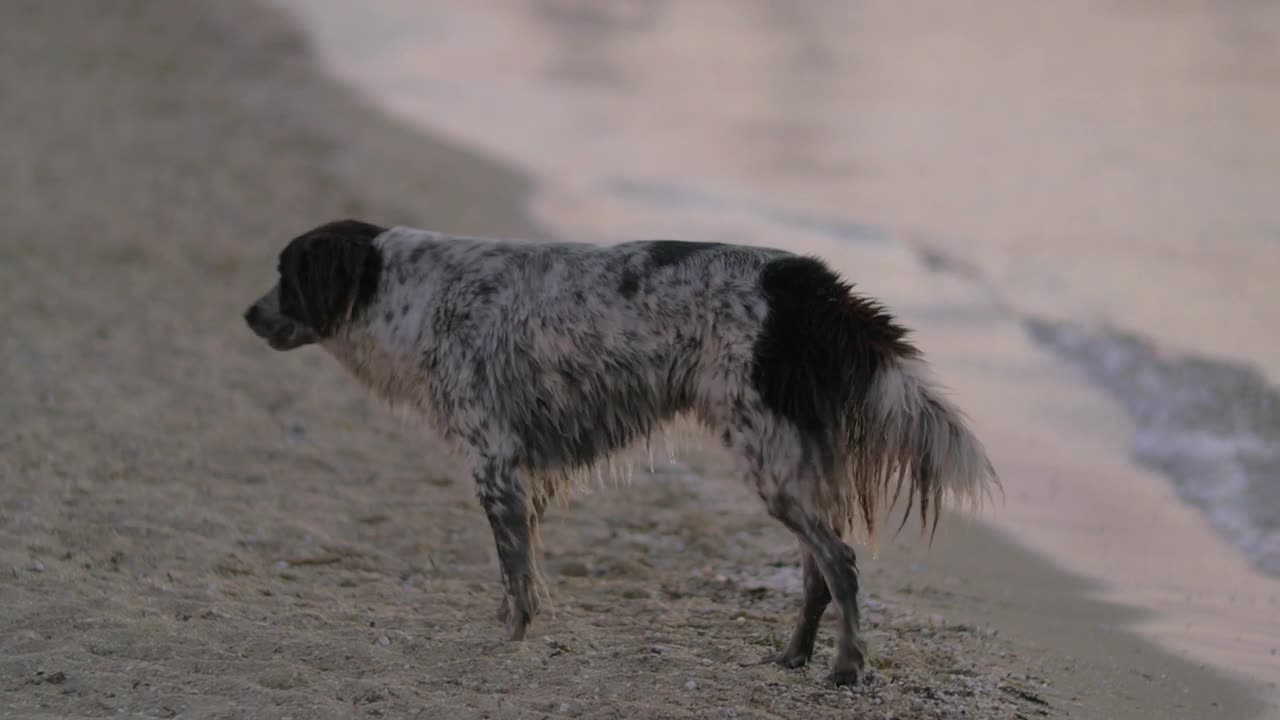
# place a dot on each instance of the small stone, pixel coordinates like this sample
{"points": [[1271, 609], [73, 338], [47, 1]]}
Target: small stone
{"points": [[564, 707], [384, 640], [691, 685], [38, 566]]}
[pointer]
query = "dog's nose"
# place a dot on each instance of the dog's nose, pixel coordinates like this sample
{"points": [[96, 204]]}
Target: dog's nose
{"points": [[251, 315]]}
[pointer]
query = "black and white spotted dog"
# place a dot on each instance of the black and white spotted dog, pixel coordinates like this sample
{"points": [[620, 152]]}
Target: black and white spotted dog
{"points": [[542, 359]]}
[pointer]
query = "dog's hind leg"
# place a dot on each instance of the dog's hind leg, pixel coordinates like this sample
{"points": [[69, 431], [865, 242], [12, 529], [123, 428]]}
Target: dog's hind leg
{"points": [[504, 500], [816, 598], [836, 563]]}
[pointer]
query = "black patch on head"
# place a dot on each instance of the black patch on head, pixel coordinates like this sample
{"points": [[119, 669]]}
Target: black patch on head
{"points": [[330, 274], [629, 284], [664, 253], [820, 348]]}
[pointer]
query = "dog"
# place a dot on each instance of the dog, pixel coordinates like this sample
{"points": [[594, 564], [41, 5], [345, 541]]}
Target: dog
{"points": [[540, 360]]}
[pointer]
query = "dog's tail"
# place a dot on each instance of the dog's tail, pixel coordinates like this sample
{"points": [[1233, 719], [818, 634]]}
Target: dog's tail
{"points": [[906, 432], [840, 369]]}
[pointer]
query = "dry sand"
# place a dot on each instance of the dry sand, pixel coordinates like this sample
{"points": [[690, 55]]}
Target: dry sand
{"points": [[193, 526]]}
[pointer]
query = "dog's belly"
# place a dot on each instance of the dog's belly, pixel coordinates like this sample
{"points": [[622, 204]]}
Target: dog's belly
{"points": [[579, 416]]}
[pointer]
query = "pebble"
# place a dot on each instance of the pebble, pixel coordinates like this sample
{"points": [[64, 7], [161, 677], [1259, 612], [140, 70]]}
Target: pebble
{"points": [[564, 707], [384, 640], [38, 567], [691, 685]]}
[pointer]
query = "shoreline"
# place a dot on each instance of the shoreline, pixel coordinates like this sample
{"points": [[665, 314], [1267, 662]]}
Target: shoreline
{"points": [[147, 544]]}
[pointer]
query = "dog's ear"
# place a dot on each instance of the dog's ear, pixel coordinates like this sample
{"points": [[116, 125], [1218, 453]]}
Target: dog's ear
{"points": [[328, 275]]}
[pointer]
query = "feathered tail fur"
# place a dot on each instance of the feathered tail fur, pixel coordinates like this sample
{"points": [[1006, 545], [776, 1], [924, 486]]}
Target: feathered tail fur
{"points": [[913, 436], [841, 370]]}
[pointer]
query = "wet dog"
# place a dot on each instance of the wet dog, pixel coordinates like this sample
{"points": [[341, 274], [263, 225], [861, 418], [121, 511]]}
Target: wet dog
{"points": [[540, 360]]}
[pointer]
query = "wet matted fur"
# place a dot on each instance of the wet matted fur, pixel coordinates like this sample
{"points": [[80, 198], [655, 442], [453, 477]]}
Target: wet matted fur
{"points": [[541, 360]]}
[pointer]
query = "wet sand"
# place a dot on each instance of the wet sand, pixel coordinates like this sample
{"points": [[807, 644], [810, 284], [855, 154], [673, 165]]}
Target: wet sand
{"points": [[193, 526]]}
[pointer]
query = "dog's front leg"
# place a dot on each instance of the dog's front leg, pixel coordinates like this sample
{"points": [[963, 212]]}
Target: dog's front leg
{"points": [[504, 500]]}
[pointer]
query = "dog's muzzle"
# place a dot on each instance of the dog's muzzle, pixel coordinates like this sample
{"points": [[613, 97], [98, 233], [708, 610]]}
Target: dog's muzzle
{"points": [[280, 332]]}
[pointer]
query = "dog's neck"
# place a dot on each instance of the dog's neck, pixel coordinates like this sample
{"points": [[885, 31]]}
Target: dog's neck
{"points": [[381, 370]]}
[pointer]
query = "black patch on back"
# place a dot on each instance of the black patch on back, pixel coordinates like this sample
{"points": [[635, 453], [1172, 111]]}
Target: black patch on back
{"points": [[665, 253], [329, 274], [629, 284], [820, 348]]}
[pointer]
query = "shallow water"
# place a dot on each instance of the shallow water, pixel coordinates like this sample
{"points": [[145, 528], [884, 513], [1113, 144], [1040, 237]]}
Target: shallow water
{"points": [[1209, 425], [1074, 203]]}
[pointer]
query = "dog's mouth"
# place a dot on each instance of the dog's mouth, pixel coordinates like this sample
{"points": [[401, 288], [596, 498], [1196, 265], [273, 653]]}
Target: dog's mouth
{"points": [[288, 338], [280, 333]]}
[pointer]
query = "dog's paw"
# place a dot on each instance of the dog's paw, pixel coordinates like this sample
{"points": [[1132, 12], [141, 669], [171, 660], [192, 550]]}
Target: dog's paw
{"points": [[784, 659], [843, 678], [517, 624], [788, 660], [847, 670]]}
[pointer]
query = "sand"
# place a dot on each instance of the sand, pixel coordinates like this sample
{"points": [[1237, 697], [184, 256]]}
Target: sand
{"points": [[193, 526]]}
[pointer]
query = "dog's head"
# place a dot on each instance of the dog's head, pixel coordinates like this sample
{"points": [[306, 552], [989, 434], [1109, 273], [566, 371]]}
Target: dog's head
{"points": [[327, 276]]}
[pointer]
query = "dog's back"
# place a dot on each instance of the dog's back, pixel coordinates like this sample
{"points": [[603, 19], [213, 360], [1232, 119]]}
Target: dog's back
{"points": [[569, 352]]}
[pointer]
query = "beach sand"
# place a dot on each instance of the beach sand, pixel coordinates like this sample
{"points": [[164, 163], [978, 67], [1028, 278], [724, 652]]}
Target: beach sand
{"points": [[193, 526]]}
